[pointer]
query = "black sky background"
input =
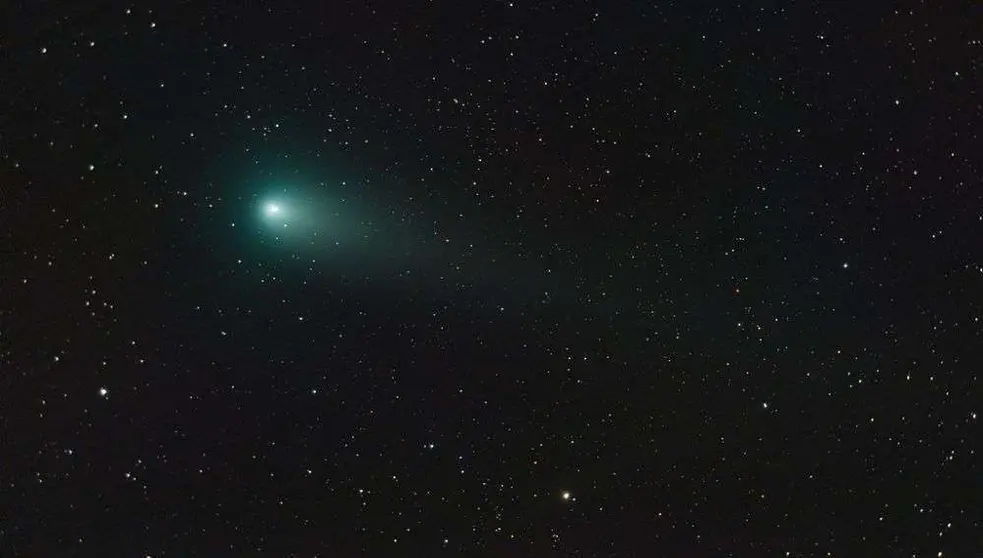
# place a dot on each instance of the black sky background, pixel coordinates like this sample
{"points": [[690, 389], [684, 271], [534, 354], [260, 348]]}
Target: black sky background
{"points": [[713, 271]]}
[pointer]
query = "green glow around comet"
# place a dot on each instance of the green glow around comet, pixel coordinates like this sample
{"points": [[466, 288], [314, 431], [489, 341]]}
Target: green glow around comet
{"points": [[324, 223], [299, 219], [276, 213]]}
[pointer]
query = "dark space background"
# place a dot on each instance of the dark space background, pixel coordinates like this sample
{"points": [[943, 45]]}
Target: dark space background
{"points": [[646, 279]]}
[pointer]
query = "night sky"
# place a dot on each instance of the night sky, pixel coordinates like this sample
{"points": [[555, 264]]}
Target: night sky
{"points": [[503, 278]]}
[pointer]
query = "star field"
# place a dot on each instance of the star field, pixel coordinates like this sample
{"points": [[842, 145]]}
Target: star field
{"points": [[491, 279]]}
